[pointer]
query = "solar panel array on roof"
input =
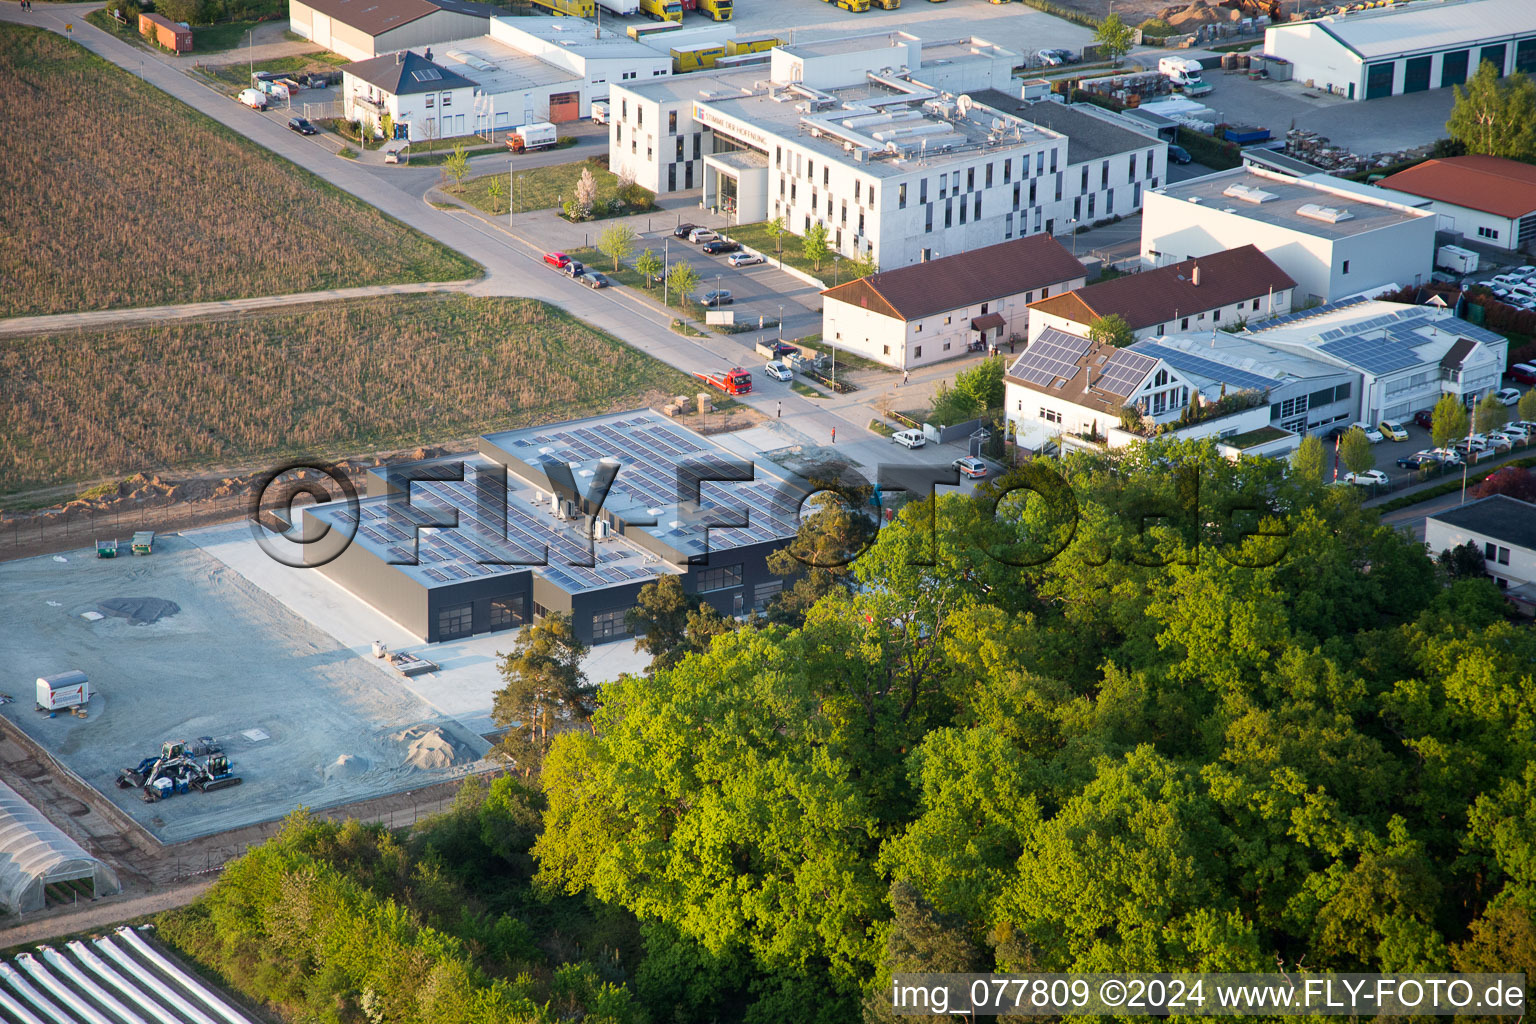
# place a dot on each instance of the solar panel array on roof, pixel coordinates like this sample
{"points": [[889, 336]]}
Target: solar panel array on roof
{"points": [[1306, 314], [1124, 371], [1051, 356], [1373, 354], [1187, 362]]}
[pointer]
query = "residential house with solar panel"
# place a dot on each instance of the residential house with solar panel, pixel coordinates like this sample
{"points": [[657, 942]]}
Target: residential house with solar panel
{"points": [[424, 100], [1334, 239], [1407, 356], [458, 546], [1233, 287], [1068, 390]]}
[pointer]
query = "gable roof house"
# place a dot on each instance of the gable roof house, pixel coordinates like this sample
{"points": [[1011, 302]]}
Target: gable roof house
{"points": [[1233, 287], [943, 308]]}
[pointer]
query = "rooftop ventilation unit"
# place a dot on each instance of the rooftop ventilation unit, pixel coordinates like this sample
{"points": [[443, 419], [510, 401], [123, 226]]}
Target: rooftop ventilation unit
{"points": [[1327, 214], [1248, 194]]}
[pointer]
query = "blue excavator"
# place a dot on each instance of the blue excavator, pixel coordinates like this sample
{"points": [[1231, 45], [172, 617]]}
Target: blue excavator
{"points": [[177, 770]]}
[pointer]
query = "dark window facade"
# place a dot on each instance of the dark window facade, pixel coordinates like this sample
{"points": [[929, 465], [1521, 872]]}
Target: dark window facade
{"points": [[1453, 68], [608, 625], [1493, 55], [507, 612], [455, 622], [720, 578]]}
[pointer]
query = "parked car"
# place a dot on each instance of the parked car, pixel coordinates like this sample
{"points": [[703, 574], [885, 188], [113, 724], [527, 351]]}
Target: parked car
{"points": [[1067, 56], [1525, 271], [778, 371], [558, 260], [971, 466], [1507, 396], [1392, 430], [301, 125], [1417, 459], [1179, 155], [1498, 442], [573, 268], [594, 279], [1424, 418], [1370, 478], [745, 259], [1525, 428], [253, 98], [1525, 373], [1048, 58], [1446, 455], [1470, 451], [717, 298], [682, 230], [1371, 433], [720, 247], [698, 235], [909, 438]]}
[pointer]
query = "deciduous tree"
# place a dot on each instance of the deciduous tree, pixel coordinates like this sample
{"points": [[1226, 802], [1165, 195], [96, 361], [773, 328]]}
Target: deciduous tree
{"points": [[776, 231], [456, 166], [813, 245], [1448, 421], [617, 243], [1527, 406], [1494, 116], [495, 190], [1356, 452], [1114, 38], [1111, 330], [1490, 414], [1310, 462], [586, 193], [682, 279], [649, 266]]}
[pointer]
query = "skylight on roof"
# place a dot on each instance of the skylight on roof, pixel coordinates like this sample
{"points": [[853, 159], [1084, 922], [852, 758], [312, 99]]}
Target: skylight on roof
{"points": [[1328, 214], [427, 75]]}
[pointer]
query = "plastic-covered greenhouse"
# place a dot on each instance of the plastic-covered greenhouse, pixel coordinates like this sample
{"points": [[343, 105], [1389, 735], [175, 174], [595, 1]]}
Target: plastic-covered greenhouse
{"points": [[39, 864]]}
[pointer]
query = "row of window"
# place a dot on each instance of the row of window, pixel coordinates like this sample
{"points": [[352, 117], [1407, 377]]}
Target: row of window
{"points": [[1494, 553], [1492, 233], [459, 620]]}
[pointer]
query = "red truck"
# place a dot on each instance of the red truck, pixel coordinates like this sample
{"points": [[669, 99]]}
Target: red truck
{"points": [[734, 381]]}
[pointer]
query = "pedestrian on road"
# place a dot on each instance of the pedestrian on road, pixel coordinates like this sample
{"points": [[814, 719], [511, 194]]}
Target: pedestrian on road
{"points": [[906, 375], [834, 435], [781, 411]]}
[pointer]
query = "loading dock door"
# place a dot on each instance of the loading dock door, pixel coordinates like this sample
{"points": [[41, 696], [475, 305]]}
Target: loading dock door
{"points": [[1378, 80], [1416, 74], [564, 106], [1493, 55], [1453, 68]]}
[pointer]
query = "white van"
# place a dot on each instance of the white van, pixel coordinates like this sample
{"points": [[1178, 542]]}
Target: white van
{"points": [[909, 438], [253, 98], [599, 113]]}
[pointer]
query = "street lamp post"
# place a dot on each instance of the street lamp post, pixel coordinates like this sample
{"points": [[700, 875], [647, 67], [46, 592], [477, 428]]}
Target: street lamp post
{"points": [[836, 260], [832, 333], [1072, 223], [781, 323], [250, 50], [666, 267], [511, 190]]}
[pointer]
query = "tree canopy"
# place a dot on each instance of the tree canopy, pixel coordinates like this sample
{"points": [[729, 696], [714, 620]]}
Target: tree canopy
{"points": [[1112, 330], [1495, 116]]}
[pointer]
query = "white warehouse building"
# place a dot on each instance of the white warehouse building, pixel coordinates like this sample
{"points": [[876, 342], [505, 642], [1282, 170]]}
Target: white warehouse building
{"points": [[1431, 44], [887, 141], [1334, 240]]}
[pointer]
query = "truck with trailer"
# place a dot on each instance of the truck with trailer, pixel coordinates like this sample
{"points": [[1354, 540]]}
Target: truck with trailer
{"points": [[662, 10], [855, 6], [719, 10], [569, 8], [639, 33], [696, 58], [526, 138], [624, 7], [735, 381], [751, 44], [62, 690]]}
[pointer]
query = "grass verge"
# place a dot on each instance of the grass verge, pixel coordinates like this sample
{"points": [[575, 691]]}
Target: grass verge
{"points": [[239, 75], [844, 359], [179, 208], [344, 377], [545, 188], [756, 236], [800, 387], [632, 278], [104, 21]]}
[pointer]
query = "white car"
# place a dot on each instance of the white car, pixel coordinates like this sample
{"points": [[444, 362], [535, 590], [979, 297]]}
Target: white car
{"points": [[1048, 58], [971, 466], [698, 235], [1446, 455], [1507, 396], [1370, 478], [778, 371], [744, 259], [909, 438], [1371, 433], [1525, 271]]}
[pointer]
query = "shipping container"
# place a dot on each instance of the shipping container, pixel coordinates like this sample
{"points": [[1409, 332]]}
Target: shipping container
{"points": [[173, 35]]}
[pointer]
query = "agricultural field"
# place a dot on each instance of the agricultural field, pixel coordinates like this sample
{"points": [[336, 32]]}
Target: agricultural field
{"points": [[344, 378], [132, 199]]}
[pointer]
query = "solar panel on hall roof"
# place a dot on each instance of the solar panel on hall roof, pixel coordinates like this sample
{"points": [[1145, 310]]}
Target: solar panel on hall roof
{"points": [[1124, 371], [1371, 354], [1188, 362]]}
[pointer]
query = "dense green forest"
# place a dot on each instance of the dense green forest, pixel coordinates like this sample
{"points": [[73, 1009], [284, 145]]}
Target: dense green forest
{"points": [[1173, 713]]}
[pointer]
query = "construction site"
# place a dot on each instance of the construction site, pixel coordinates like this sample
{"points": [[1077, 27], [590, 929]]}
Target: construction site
{"points": [[209, 705]]}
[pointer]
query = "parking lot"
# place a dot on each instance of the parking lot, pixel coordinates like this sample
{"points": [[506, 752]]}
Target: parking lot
{"points": [[1388, 452], [760, 291]]}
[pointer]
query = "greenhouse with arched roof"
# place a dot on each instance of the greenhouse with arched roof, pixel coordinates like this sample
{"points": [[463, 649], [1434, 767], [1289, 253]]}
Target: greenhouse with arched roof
{"points": [[40, 864]]}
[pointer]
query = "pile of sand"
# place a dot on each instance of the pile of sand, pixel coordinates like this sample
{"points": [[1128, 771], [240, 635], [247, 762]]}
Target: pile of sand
{"points": [[345, 767], [1199, 13], [138, 610], [431, 748]]}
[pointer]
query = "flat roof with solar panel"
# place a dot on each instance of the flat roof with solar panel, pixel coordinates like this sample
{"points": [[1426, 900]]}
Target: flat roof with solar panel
{"points": [[643, 529]]}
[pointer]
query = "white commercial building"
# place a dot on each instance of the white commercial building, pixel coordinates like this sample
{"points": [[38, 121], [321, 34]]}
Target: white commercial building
{"points": [[1407, 356], [1503, 530], [934, 311], [1485, 199], [1334, 240], [1433, 44], [887, 141], [523, 70]]}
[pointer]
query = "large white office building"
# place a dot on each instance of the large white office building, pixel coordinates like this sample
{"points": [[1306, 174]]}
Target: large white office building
{"points": [[887, 141]]}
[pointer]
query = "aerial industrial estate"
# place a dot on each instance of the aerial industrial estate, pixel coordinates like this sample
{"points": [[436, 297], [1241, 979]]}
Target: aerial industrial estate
{"points": [[709, 510]]}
